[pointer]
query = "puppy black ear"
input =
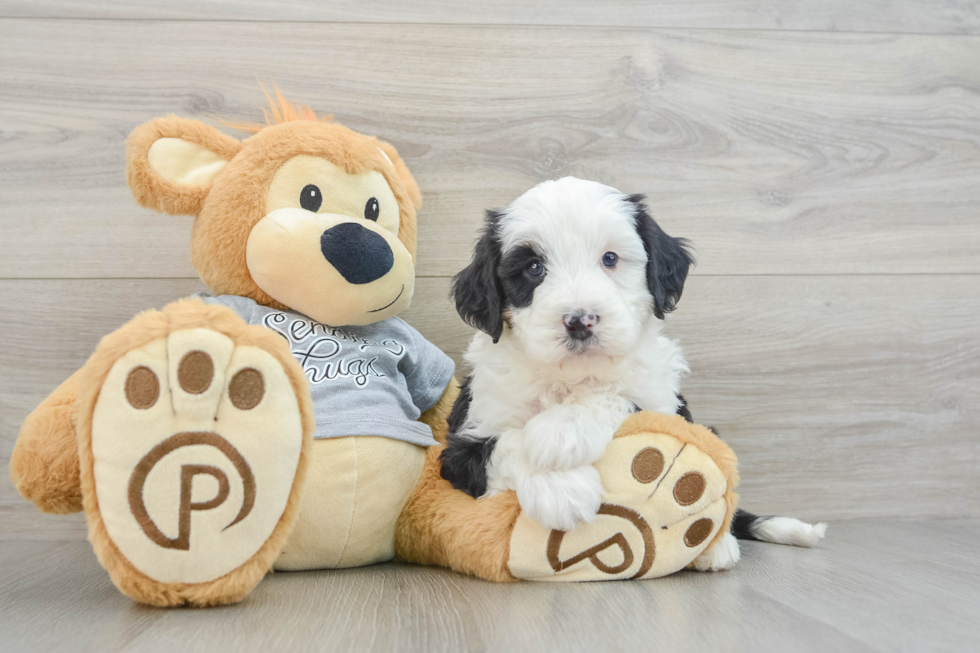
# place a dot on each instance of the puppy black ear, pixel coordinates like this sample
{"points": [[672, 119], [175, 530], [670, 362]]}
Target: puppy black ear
{"points": [[668, 259], [477, 290]]}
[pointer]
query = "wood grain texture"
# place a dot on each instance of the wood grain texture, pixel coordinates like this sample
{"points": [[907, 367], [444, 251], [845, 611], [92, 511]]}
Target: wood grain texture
{"points": [[828, 178], [928, 16], [844, 397], [856, 394], [776, 152], [872, 586]]}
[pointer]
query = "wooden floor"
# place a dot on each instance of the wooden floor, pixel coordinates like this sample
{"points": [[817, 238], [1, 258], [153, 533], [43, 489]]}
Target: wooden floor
{"points": [[875, 586], [822, 155]]}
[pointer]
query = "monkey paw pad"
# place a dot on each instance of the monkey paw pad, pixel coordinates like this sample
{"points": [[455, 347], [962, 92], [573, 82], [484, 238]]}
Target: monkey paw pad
{"points": [[196, 444], [664, 503]]}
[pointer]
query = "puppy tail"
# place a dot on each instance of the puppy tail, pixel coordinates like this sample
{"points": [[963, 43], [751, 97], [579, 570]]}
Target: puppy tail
{"points": [[778, 530]]}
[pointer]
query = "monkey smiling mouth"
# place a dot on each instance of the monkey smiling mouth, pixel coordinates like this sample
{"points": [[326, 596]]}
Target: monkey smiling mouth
{"points": [[391, 302]]}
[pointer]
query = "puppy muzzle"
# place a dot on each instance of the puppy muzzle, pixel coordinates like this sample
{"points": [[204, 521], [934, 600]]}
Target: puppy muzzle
{"points": [[580, 324]]}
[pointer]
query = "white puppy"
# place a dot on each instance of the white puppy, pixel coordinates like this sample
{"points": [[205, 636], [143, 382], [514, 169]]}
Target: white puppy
{"points": [[568, 287]]}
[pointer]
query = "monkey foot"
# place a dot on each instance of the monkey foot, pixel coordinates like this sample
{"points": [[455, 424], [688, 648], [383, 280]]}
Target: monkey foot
{"points": [[193, 454]]}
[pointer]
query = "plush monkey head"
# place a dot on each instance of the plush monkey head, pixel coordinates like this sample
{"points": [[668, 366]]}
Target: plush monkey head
{"points": [[305, 214]]}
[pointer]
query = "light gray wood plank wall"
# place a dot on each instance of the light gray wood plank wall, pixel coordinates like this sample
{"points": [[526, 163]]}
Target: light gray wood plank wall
{"points": [[917, 16], [830, 182], [775, 152]]}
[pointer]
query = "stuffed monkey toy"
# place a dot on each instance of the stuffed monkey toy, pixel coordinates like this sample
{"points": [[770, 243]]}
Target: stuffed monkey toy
{"points": [[189, 434]]}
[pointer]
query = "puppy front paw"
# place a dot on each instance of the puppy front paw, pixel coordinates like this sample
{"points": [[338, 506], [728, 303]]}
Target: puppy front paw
{"points": [[557, 439], [560, 500], [720, 556]]}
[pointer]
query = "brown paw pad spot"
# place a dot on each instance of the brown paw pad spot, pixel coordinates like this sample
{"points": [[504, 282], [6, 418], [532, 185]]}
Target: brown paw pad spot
{"points": [[647, 465], [142, 388], [698, 532], [246, 389], [195, 372], [689, 488]]}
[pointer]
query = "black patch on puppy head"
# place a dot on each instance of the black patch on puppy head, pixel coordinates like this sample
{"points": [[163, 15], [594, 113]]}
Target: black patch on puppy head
{"points": [[668, 259], [477, 290], [517, 281], [465, 460]]}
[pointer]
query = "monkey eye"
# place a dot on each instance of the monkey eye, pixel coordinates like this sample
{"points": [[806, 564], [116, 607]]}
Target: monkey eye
{"points": [[610, 259], [535, 269], [372, 209], [310, 198]]}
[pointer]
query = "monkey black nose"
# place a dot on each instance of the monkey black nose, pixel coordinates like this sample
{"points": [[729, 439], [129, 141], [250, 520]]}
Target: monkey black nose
{"points": [[579, 324], [359, 254]]}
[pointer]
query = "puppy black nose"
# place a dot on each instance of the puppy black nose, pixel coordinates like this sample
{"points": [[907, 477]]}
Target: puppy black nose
{"points": [[579, 324], [359, 254]]}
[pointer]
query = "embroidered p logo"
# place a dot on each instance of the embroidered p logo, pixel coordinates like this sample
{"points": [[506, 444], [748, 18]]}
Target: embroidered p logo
{"points": [[618, 540], [188, 473]]}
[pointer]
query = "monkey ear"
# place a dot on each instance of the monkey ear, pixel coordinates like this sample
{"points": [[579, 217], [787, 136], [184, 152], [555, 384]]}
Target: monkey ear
{"points": [[171, 163], [477, 290], [412, 188], [668, 259]]}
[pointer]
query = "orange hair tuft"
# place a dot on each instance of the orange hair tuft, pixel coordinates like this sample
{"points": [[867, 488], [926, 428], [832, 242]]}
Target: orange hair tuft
{"points": [[280, 110]]}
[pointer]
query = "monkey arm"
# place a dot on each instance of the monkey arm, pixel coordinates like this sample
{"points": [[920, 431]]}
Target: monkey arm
{"points": [[44, 464], [437, 416]]}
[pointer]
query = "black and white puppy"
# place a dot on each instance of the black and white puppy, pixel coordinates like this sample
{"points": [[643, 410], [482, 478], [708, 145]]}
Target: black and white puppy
{"points": [[568, 288]]}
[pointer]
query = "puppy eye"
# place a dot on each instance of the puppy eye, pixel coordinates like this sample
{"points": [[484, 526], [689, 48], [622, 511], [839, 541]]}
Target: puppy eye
{"points": [[535, 269], [310, 198], [609, 259], [371, 209]]}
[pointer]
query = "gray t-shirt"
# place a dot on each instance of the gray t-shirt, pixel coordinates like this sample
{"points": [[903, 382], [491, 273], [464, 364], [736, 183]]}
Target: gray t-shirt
{"points": [[365, 380]]}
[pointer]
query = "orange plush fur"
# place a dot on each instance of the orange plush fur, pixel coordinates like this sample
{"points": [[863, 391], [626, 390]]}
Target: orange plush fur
{"points": [[44, 465], [155, 193]]}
